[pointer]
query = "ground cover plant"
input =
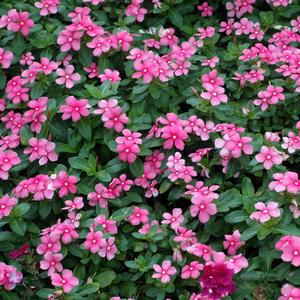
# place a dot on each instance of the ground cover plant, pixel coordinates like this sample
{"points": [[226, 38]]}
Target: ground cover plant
{"points": [[149, 149]]}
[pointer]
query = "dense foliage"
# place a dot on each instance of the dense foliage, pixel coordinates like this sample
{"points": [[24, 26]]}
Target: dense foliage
{"points": [[149, 149]]}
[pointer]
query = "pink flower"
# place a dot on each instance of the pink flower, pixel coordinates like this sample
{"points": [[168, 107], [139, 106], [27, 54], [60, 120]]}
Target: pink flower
{"points": [[66, 184], [100, 45], [146, 69], [265, 212], [234, 145], [75, 109], [164, 272], [232, 242], [211, 62], [6, 57], [291, 142], [237, 263], [294, 209], [6, 205], [47, 6], [66, 280], [111, 75], [9, 276], [26, 59], [51, 262], [206, 10], [175, 219], [41, 149], [77, 203], [67, 76], [94, 241], [108, 250], [8, 159], [92, 70], [139, 215], [291, 251], [174, 136], [204, 208], [192, 270], [69, 39], [227, 27], [269, 156], [215, 94], [244, 26], [289, 292], [49, 243], [108, 226]]}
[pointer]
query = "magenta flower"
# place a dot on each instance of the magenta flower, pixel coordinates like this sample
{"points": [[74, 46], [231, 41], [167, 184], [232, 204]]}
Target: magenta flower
{"points": [[66, 280], [164, 272], [265, 212], [75, 109], [67, 76]]}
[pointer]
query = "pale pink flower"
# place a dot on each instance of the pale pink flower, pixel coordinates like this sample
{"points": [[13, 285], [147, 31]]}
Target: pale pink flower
{"points": [[111, 75]]}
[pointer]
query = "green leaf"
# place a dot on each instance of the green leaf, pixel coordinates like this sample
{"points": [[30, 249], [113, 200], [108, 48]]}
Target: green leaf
{"points": [[175, 17], [294, 277], [45, 208], [2, 79], [137, 168], [85, 55], [26, 135], [236, 216], [44, 293], [89, 288], [42, 39], [121, 214], [285, 229], [105, 279], [9, 295], [94, 91], [229, 199], [249, 233], [18, 226], [5, 236], [85, 129], [103, 176], [104, 89], [247, 187], [154, 91], [37, 90], [21, 209], [79, 163]]}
